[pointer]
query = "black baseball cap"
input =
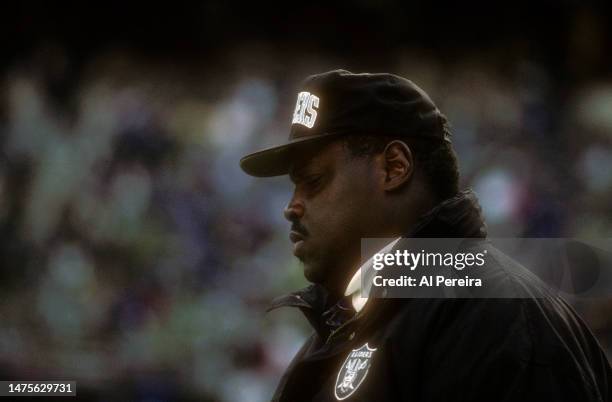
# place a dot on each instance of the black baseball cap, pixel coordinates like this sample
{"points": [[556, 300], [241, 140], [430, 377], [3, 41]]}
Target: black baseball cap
{"points": [[338, 103]]}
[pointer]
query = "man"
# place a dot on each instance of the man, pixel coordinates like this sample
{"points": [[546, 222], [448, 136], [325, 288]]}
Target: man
{"points": [[370, 156]]}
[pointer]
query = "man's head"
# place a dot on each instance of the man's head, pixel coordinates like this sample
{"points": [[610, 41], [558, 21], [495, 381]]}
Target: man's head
{"points": [[368, 155], [359, 187]]}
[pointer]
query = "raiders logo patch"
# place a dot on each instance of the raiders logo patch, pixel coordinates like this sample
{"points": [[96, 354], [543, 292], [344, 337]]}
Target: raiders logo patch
{"points": [[353, 371]]}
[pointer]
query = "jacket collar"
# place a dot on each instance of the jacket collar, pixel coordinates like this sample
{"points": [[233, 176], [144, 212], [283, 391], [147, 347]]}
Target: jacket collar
{"points": [[312, 301], [459, 216]]}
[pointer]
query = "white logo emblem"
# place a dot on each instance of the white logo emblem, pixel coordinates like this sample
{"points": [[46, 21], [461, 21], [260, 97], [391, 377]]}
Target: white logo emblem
{"points": [[353, 371], [305, 109]]}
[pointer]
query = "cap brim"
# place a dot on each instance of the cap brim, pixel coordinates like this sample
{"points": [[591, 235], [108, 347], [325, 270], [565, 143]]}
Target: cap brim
{"points": [[277, 161]]}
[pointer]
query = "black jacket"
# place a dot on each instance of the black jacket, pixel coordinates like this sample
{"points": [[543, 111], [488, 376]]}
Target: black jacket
{"points": [[530, 348]]}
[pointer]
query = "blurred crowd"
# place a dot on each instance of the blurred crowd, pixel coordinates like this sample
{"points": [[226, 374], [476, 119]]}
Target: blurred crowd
{"points": [[137, 259]]}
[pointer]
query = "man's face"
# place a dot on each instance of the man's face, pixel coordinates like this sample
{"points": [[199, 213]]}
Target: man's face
{"points": [[333, 205]]}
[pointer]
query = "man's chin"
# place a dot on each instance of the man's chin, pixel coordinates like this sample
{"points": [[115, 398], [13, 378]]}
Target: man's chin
{"points": [[313, 273]]}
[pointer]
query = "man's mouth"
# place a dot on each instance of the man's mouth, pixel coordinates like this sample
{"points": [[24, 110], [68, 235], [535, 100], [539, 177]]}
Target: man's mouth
{"points": [[295, 236], [297, 239]]}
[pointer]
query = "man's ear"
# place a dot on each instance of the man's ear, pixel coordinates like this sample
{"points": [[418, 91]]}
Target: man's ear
{"points": [[398, 163]]}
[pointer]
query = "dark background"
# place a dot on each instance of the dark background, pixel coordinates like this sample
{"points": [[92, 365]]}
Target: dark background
{"points": [[136, 258]]}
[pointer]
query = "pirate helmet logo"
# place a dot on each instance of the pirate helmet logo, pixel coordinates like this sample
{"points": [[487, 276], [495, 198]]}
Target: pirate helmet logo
{"points": [[353, 371]]}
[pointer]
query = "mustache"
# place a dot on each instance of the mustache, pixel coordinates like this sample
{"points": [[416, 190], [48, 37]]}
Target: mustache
{"points": [[299, 228]]}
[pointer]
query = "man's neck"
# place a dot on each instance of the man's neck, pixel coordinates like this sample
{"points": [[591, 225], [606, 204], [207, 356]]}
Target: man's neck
{"points": [[398, 225]]}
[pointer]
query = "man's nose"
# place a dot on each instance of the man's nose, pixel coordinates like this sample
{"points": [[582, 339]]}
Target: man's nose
{"points": [[294, 211]]}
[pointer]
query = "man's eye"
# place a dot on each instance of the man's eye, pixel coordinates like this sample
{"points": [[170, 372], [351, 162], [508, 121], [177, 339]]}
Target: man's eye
{"points": [[312, 182]]}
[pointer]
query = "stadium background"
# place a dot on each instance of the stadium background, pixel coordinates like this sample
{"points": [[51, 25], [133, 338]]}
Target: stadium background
{"points": [[136, 258]]}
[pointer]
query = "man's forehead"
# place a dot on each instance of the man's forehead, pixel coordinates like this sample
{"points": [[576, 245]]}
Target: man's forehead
{"points": [[323, 156]]}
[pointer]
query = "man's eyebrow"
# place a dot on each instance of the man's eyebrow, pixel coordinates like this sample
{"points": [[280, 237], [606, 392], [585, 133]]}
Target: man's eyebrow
{"points": [[296, 174]]}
